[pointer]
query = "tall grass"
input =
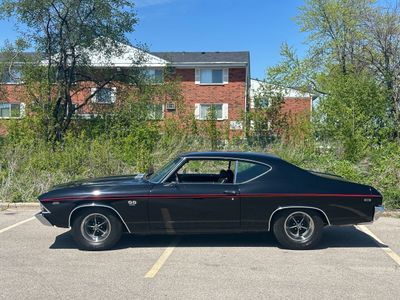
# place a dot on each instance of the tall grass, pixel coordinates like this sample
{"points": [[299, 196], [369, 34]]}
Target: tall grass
{"points": [[29, 165]]}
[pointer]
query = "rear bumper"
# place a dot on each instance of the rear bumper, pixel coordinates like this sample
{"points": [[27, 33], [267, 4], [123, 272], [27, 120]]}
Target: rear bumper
{"points": [[378, 212], [42, 219]]}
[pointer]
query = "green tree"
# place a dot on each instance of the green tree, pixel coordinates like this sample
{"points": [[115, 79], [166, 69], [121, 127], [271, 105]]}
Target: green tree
{"points": [[335, 39], [334, 29], [353, 63], [66, 34], [353, 112], [212, 130], [267, 119], [382, 53]]}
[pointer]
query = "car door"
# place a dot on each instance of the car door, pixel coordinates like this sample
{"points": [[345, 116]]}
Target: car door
{"points": [[201, 206]]}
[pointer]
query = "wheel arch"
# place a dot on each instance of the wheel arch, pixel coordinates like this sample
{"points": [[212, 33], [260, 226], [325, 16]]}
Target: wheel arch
{"points": [[94, 205], [279, 209]]}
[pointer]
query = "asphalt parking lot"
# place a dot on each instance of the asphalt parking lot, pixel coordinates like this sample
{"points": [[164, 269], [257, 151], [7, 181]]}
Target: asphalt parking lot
{"points": [[42, 262]]}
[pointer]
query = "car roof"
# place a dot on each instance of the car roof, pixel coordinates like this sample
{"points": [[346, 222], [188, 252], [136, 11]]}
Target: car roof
{"points": [[228, 154]]}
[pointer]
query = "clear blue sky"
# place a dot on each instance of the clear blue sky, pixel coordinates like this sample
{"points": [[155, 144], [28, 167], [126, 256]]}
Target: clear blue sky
{"points": [[259, 26]]}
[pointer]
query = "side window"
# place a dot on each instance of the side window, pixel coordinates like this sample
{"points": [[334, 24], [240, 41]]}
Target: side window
{"points": [[247, 171], [203, 167], [207, 171]]}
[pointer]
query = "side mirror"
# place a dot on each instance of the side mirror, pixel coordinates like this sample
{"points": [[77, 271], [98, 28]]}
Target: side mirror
{"points": [[150, 171]]}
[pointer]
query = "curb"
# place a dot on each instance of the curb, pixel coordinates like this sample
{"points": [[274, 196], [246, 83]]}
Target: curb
{"points": [[392, 213], [26, 205]]}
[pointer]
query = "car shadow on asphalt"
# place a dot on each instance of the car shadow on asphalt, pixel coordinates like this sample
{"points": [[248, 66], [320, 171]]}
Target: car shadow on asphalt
{"points": [[333, 237]]}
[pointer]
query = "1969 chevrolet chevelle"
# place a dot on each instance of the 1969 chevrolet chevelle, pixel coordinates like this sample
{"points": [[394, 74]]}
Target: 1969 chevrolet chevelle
{"points": [[211, 192]]}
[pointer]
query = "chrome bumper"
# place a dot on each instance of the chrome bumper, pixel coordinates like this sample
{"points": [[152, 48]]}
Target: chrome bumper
{"points": [[42, 219], [378, 212]]}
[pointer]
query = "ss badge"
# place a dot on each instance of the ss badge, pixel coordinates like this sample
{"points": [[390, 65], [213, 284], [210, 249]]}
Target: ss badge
{"points": [[131, 203]]}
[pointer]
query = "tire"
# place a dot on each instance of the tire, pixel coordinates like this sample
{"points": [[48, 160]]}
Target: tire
{"points": [[298, 229], [102, 236]]}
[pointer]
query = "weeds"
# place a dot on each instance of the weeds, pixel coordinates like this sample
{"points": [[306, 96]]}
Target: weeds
{"points": [[29, 166]]}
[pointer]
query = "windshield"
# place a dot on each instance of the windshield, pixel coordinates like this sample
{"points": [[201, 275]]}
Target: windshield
{"points": [[157, 176]]}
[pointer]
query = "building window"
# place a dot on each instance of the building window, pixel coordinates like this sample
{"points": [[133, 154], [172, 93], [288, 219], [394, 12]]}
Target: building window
{"points": [[11, 110], [11, 75], [262, 103], [211, 76], [155, 75], [203, 111], [156, 111], [104, 95]]}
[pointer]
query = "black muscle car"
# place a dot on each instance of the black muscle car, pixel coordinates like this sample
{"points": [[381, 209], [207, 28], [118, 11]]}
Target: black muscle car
{"points": [[211, 192]]}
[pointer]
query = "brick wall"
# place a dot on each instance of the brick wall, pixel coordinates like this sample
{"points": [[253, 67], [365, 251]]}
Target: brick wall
{"points": [[297, 106], [12, 93], [232, 93]]}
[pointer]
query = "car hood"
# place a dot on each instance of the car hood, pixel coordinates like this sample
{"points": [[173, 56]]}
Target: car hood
{"points": [[110, 180]]}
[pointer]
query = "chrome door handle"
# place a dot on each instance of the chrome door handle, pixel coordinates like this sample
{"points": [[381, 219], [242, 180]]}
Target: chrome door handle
{"points": [[231, 192]]}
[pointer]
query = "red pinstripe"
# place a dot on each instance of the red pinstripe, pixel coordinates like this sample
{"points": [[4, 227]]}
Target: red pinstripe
{"points": [[197, 196]]}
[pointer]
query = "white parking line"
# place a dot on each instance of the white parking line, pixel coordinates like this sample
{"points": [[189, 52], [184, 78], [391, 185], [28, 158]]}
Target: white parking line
{"points": [[393, 255], [162, 259], [16, 224]]}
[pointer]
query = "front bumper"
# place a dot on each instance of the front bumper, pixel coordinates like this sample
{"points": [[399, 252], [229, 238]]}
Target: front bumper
{"points": [[378, 212], [40, 216]]}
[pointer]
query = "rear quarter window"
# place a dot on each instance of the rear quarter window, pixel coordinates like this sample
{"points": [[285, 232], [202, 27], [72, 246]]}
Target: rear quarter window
{"points": [[247, 171]]}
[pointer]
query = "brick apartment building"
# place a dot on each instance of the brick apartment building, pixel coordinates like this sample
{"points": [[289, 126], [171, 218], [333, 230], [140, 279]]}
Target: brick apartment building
{"points": [[296, 102], [219, 79]]}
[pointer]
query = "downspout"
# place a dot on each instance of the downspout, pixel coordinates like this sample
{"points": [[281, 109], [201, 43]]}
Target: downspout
{"points": [[246, 96]]}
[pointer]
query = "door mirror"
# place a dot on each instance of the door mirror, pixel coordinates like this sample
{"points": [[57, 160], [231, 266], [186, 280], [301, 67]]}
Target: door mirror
{"points": [[150, 171]]}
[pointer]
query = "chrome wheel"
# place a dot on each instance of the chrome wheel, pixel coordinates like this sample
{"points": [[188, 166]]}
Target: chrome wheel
{"points": [[299, 226], [95, 227]]}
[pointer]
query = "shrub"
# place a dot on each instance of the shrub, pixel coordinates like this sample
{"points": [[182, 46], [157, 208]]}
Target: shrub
{"points": [[29, 165]]}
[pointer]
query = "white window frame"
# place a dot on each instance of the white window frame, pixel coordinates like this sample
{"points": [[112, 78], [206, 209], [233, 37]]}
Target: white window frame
{"points": [[15, 80], [170, 106], [21, 110], [113, 95], [152, 115], [259, 99], [152, 77], [225, 111], [236, 125], [225, 76]]}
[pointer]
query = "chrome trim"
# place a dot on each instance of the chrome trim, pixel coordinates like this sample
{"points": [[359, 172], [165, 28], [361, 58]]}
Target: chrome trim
{"points": [[236, 169], [379, 210], [365, 223], [43, 208], [42, 219], [289, 207], [97, 205], [185, 158], [96, 228], [173, 170], [298, 226], [254, 178]]}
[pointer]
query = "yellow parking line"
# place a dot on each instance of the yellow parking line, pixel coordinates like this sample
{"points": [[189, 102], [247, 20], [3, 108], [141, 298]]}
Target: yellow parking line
{"points": [[393, 255], [162, 259], [16, 224]]}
